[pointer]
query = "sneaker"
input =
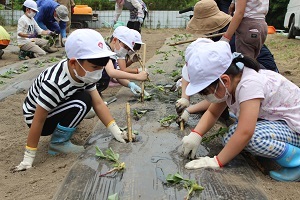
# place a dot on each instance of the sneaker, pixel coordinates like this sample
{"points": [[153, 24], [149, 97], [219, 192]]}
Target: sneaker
{"points": [[49, 49], [22, 55]]}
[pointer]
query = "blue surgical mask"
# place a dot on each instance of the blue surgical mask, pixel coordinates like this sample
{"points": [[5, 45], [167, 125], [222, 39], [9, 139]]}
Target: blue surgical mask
{"points": [[89, 77]]}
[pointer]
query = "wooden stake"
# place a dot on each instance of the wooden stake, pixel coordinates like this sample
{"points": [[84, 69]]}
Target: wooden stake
{"points": [[143, 68], [129, 128], [181, 125], [205, 36]]}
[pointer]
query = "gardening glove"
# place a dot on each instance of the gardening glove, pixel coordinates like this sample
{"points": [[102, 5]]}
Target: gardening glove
{"points": [[141, 20], [181, 104], [184, 116], [224, 39], [141, 69], [135, 89], [191, 143], [135, 58], [113, 22], [116, 132], [203, 162], [29, 156], [63, 40]]}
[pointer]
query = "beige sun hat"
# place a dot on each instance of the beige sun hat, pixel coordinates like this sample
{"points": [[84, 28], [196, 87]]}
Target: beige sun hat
{"points": [[207, 18]]}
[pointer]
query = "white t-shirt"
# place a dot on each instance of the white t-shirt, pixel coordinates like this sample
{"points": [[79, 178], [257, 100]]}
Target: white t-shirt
{"points": [[280, 97], [28, 26]]}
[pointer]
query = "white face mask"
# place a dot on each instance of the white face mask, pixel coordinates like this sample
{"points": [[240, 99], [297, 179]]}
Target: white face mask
{"points": [[89, 77], [31, 14], [212, 97], [122, 52]]}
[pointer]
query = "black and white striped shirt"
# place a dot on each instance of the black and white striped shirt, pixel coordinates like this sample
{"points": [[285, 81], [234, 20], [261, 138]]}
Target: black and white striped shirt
{"points": [[53, 86]]}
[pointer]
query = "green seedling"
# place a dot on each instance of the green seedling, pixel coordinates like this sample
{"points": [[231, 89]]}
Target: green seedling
{"points": [[190, 185], [2, 82], [113, 197], [39, 63], [7, 74], [138, 114], [151, 66], [166, 121], [111, 156], [175, 73], [219, 133], [159, 71], [22, 69]]}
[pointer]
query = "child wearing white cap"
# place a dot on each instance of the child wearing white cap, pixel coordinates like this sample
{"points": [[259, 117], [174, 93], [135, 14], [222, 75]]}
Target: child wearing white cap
{"points": [[265, 103], [62, 95], [121, 42]]}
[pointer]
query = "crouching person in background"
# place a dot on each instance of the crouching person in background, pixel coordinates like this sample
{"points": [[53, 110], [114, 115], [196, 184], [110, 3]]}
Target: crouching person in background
{"points": [[62, 95]]}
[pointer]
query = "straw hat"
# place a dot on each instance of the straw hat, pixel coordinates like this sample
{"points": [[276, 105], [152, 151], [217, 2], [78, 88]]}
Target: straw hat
{"points": [[207, 18]]}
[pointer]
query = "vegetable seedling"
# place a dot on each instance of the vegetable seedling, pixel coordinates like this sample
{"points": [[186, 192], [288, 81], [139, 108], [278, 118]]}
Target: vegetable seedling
{"points": [[111, 156], [190, 185], [220, 132], [166, 121]]}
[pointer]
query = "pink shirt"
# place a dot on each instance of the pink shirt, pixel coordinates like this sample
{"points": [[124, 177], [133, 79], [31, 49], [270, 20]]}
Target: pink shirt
{"points": [[256, 9], [280, 97]]}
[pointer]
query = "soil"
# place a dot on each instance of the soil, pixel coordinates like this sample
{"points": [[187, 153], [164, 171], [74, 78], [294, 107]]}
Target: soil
{"points": [[42, 181]]}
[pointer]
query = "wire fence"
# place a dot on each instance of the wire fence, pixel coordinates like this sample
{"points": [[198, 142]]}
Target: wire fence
{"points": [[155, 20]]}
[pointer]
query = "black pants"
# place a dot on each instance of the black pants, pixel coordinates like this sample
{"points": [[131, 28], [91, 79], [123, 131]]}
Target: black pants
{"points": [[69, 113], [134, 25]]}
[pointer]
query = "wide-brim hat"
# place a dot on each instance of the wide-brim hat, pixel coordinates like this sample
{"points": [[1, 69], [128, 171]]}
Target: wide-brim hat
{"points": [[207, 18]]}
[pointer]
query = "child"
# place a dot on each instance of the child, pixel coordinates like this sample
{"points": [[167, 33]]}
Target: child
{"points": [[249, 25], [121, 42], [28, 30], [265, 102], [62, 95]]}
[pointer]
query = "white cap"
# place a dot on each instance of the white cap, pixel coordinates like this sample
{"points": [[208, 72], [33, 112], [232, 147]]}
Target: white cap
{"points": [[125, 35], [86, 44], [206, 61], [184, 73], [62, 13], [137, 37], [31, 4]]}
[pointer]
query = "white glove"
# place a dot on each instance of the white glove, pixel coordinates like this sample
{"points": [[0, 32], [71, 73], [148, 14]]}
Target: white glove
{"points": [[191, 143], [63, 40], [224, 39], [141, 69], [184, 116], [141, 20], [203, 162], [117, 133], [135, 89], [181, 104], [29, 156]]}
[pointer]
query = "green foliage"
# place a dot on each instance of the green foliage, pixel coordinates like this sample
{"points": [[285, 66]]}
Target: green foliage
{"points": [[277, 10], [190, 185]]}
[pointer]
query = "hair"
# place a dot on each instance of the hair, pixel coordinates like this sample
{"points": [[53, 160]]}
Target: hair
{"points": [[233, 70], [137, 46], [24, 9], [96, 61]]}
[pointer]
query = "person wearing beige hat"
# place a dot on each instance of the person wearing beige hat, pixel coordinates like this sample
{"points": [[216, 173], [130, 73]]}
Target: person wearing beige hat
{"points": [[265, 103], [62, 95], [54, 17]]}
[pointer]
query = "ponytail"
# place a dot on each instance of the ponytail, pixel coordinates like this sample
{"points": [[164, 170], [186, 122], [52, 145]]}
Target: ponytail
{"points": [[239, 62]]}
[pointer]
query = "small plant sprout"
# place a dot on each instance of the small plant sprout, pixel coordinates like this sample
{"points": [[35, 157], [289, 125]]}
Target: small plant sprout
{"points": [[190, 185], [220, 132], [111, 156], [166, 121], [113, 197]]}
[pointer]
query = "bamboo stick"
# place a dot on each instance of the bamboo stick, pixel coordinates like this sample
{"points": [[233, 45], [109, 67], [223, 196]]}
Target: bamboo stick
{"points": [[205, 36], [129, 127], [143, 68], [181, 125]]}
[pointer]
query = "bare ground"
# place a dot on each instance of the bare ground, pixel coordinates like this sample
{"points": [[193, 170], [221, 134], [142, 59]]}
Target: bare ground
{"points": [[43, 179]]}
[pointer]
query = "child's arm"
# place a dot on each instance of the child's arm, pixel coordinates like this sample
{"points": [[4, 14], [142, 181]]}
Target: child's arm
{"points": [[249, 111], [124, 66], [236, 19], [114, 73]]}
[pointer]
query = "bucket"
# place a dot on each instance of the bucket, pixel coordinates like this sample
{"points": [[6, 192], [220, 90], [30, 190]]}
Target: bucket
{"points": [[271, 30], [119, 23]]}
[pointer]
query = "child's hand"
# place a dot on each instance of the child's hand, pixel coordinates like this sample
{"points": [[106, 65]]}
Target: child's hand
{"points": [[142, 76], [29, 156]]}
